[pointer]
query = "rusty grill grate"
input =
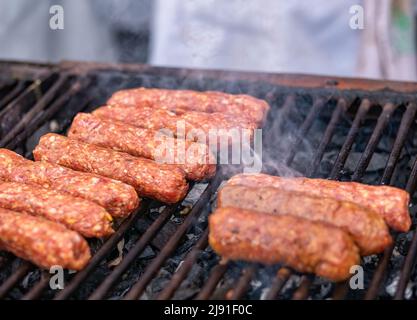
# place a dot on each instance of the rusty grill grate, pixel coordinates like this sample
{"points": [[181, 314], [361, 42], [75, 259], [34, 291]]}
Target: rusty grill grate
{"points": [[338, 129]]}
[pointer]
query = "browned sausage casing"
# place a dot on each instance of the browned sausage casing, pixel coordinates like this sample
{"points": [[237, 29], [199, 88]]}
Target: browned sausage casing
{"points": [[304, 245], [199, 162], [367, 228], [391, 203], [150, 179], [238, 105], [197, 126], [43, 242], [118, 198], [83, 216]]}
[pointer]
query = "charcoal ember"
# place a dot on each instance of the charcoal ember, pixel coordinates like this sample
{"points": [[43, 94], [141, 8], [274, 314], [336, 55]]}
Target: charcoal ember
{"points": [[321, 289], [142, 224], [158, 283], [261, 281], [403, 243], [95, 245], [31, 278], [187, 244], [177, 219], [194, 194], [164, 235], [292, 284], [378, 162], [208, 259], [191, 285], [338, 140], [391, 287], [370, 261], [148, 253], [413, 279], [385, 145], [413, 210], [129, 278], [224, 287], [4, 258], [130, 242], [28, 281], [155, 211], [33, 140]]}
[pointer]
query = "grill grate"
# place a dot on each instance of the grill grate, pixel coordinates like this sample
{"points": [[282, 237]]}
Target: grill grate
{"points": [[343, 129]]}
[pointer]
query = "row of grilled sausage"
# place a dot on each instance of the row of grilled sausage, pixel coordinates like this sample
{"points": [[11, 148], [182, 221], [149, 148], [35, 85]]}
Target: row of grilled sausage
{"points": [[313, 225], [79, 183]]}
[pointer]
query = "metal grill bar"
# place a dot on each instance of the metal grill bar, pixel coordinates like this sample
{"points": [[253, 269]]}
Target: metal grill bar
{"points": [[216, 275], [186, 266], [410, 259], [48, 113], [366, 156], [328, 135], [341, 290], [137, 289], [409, 263], [18, 275], [37, 290], [37, 108], [278, 283], [405, 125], [350, 139], [243, 284], [140, 245], [31, 123], [380, 272], [103, 252], [302, 292], [312, 115], [13, 94]]}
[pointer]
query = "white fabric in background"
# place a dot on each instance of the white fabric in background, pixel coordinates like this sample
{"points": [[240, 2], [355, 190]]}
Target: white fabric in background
{"points": [[303, 36], [25, 32]]}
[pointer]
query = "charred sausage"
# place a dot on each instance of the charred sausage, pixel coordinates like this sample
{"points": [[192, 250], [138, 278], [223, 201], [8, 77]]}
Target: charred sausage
{"points": [[366, 227], [304, 245], [43, 242], [157, 181], [391, 203], [198, 162], [83, 216], [238, 105], [118, 198]]}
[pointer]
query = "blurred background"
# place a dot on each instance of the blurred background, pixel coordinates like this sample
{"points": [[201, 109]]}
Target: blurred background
{"points": [[300, 36]]}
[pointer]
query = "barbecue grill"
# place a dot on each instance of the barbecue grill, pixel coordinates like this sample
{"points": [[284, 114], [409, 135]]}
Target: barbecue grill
{"points": [[327, 127]]}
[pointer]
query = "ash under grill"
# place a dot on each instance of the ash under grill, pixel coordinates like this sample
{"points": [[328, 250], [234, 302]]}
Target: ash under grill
{"points": [[329, 128]]}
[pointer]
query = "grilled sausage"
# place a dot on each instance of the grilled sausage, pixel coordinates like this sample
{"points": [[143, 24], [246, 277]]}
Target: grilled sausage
{"points": [[86, 217], [43, 242], [304, 245], [118, 198], [150, 179], [366, 227], [238, 105], [197, 126], [391, 203], [199, 162]]}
